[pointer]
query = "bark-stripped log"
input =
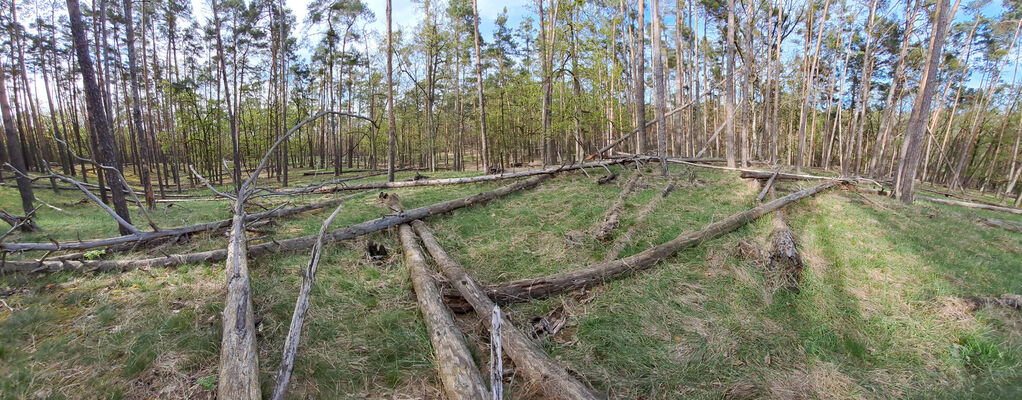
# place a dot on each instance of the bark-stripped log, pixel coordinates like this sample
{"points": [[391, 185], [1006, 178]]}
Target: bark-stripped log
{"points": [[457, 181], [171, 232], [996, 223], [595, 274], [784, 257], [454, 363], [551, 378], [298, 243], [611, 218], [971, 205], [239, 363]]}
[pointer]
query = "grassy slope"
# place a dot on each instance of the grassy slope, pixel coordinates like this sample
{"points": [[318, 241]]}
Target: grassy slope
{"points": [[876, 317]]}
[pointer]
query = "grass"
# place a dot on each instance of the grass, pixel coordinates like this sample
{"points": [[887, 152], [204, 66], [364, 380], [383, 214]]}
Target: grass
{"points": [[878, 314]]}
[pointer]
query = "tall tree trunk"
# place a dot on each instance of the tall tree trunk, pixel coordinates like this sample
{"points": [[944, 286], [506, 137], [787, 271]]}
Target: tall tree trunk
{"points": [[659, 89], [391, 120], [15, 156], [108, 154], [479, 90], [911, 150], [729, 86], [640, 80], [136, 108]]}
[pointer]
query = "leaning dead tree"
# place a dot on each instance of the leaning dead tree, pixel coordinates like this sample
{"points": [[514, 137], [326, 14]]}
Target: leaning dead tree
{"points": [[595, 274], [239, 364], [298, 243], [142, 238], [457, 181], [538, 369], [457, 370]]}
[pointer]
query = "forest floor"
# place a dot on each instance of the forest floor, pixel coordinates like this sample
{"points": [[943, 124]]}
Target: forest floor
{"points": [[879, 314]]}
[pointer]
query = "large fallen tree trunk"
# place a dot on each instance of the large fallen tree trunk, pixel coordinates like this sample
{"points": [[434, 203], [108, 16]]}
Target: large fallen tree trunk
{"points": [[550, 377], [457, 181], [1008, 226], [168, 233], [611, 219], [522, 290], [971, 205], [239, 364], [457, 370], [298, 243]]}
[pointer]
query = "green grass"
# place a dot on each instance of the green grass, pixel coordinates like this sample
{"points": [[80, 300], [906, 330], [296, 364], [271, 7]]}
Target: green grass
{"points": [[876, 316]]}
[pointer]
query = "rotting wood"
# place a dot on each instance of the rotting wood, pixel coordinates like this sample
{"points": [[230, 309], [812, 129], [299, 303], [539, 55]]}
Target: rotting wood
{"points": [[171, 232], [536, 367], [298, 243], [1006, 300], [784, 257], [1012, 210], [457, 181], [611, 218], [294, 333], [455, 366], [598, 273], [1009, 226]]}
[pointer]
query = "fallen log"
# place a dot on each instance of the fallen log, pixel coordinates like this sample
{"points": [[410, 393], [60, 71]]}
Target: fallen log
{"points": [[784, 257], [611, 220], [292, 244], [614, 250], [996, 223], [294, 333], [169, 233], [1012, 210], [239, 361], [457, 181], [538, 369], [1006, 300], [768, 185], [595, 274], [457, 370]]}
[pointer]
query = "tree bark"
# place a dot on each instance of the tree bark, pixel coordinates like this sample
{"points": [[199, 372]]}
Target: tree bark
{"points": [[239, 361]]}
